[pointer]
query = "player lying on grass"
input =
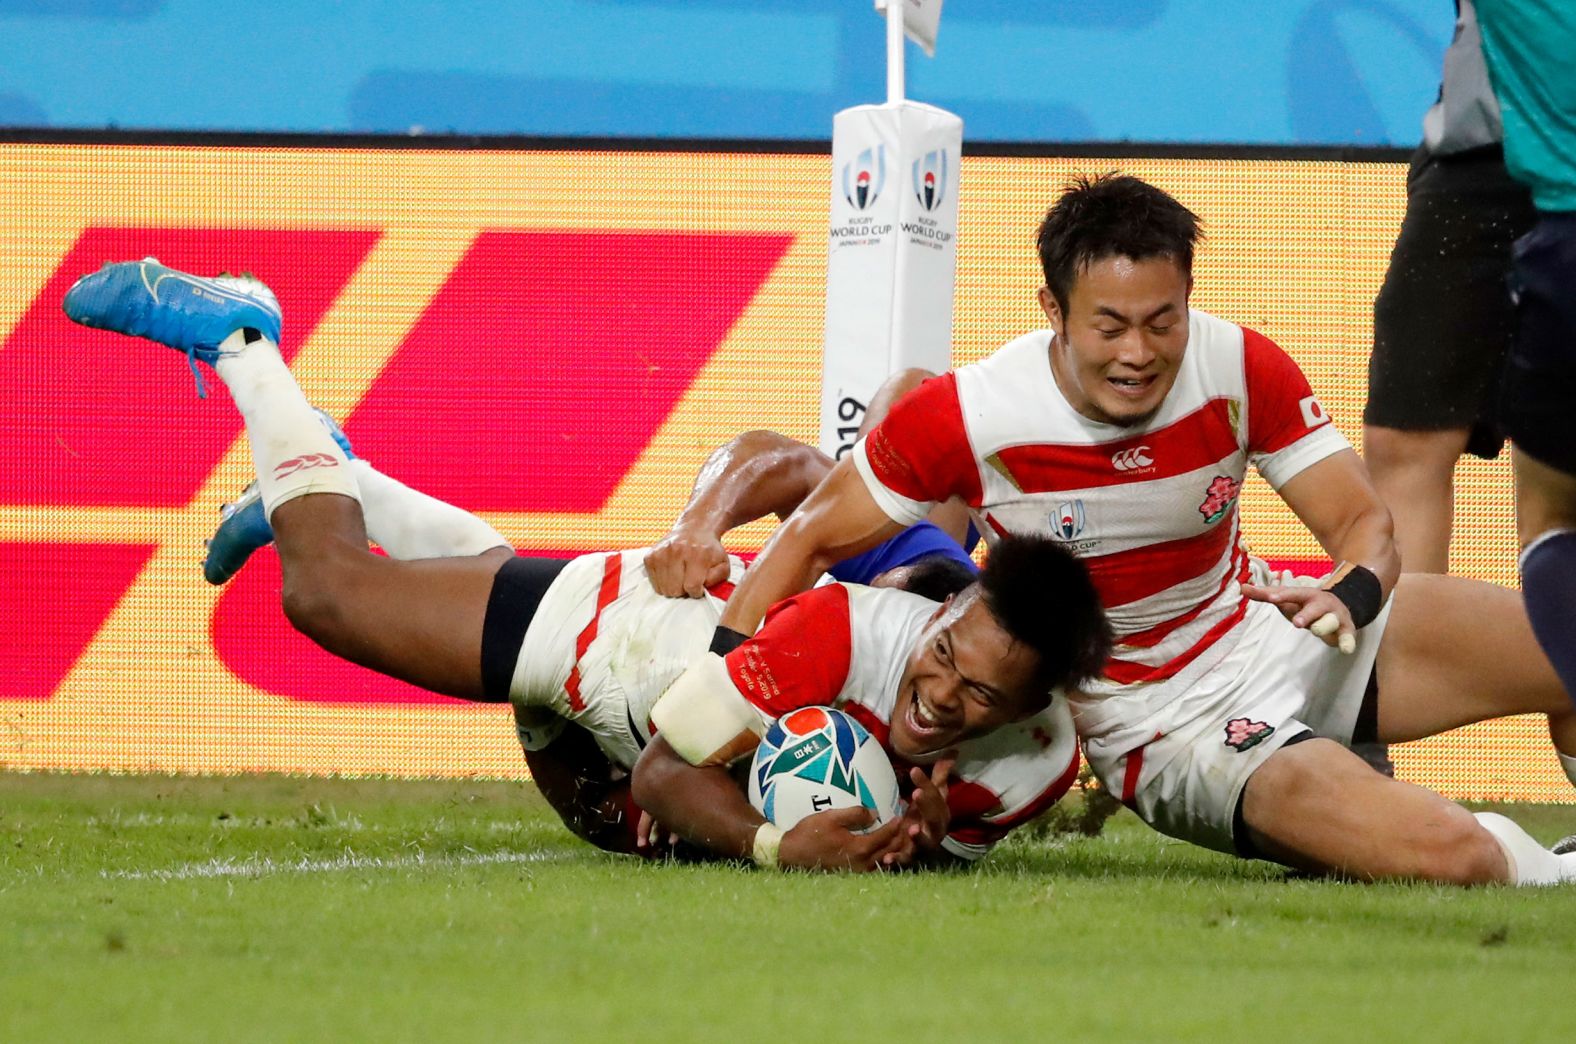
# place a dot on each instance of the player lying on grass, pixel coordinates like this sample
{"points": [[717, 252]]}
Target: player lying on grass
{"points": [[1125, 429], [593, 643]]}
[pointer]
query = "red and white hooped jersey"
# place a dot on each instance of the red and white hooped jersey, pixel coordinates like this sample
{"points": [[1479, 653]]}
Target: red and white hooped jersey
{"points": [[847, 646], [1151, 509], [604, 646]]}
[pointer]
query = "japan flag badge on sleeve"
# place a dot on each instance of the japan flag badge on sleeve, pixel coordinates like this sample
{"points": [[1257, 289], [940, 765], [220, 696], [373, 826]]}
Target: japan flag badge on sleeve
{"points": [[1313, 414]]}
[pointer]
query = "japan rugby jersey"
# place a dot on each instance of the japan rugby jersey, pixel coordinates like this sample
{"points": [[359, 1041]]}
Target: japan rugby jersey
{"points": [[604, 645], [847, 646], [1151, 509]]}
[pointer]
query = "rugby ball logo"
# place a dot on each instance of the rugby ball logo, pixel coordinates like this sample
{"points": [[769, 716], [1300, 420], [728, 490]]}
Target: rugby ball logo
{"points": [[815, 759]]}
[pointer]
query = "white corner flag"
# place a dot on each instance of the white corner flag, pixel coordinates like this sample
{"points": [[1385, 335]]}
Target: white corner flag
{"points": [[921, 20]]}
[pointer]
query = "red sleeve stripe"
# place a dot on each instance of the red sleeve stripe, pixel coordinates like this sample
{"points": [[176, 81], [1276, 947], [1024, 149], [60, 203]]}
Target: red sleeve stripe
{"points": [[1204, 437], [612, 570], [1238, 573], [921, 449], [1126, 672], [1130, 576], [801, 655], [1281, 405]]}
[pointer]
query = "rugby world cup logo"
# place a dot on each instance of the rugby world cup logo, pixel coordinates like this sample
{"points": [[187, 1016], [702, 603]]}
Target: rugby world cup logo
{"points": [[930, 179], [864, 178], [1068, 520]]}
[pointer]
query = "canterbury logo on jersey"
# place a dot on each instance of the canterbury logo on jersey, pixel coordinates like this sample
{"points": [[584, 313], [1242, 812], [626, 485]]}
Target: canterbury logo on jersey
{"points": [[1132, 459]]}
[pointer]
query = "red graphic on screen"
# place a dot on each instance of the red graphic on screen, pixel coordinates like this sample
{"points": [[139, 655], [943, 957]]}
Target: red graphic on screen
{"points": [[533, 381], [54, 600], [93, 418], [545, 365]]}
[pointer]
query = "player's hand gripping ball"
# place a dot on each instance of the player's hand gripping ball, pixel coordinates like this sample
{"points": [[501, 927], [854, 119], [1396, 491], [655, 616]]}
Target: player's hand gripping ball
{"points": [[815, 759]]}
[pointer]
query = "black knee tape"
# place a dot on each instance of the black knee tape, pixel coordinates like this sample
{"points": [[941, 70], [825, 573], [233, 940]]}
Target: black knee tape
{"points": [[1240, 840]]}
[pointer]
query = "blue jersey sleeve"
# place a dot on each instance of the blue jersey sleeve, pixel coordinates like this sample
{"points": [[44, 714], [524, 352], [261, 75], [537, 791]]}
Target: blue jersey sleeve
{"points": [[921, 540]]}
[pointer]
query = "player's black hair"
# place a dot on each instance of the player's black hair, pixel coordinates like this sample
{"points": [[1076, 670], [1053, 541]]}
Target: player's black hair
{"points": [[1111, 215], [937, 576], [1044, 598]]}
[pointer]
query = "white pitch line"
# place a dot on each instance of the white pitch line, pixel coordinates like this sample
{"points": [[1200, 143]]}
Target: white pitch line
{"points": [[258, 867]]}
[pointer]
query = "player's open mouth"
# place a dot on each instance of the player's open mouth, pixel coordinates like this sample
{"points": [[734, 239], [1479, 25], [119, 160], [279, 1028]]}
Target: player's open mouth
{"points": [[1131, 387], [923, 722]]}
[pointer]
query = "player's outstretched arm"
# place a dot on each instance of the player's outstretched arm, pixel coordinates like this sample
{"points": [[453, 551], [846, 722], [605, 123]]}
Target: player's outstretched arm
{"points": [[838, 520], [1336, 500], [757, 474], [704, 805]]}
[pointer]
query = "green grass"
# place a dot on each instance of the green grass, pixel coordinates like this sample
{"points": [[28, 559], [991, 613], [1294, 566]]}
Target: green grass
{"points": [[358, 910]]}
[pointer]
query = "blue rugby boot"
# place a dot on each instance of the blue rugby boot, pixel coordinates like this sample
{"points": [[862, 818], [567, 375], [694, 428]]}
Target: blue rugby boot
{"points": [[186, 312], [243, 526]]}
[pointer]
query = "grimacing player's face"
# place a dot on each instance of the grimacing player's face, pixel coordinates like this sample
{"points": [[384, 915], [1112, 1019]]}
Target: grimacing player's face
{"points": [[1121, 339], [965, 677]]}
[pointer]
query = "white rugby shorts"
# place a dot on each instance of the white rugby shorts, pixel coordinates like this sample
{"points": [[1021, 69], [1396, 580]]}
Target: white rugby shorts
{"points": [[601, 648], [1277, 683]]}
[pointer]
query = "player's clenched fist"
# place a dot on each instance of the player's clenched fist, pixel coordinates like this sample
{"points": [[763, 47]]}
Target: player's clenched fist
{"points": [[687, 562]]}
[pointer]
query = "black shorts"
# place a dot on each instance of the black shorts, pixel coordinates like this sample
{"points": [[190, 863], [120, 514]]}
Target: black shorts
{"points": [[516, 593], [1443, 319], [1539, 401]]}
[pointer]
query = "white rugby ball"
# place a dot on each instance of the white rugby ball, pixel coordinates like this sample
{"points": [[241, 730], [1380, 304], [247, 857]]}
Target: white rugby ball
{"points": [[818, 758]]}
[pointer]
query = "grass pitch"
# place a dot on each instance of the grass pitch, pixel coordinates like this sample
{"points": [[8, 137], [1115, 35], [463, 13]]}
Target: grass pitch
{"points": [[283, 909]]}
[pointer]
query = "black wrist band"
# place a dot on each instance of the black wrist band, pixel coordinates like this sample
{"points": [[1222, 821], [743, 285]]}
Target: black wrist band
{"points": [[725, 639], [1362, 594]]}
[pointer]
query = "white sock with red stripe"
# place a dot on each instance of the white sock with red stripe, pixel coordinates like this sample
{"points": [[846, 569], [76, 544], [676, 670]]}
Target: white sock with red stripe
{"points": [[409, 524], [1530, 863], [293, 453]]}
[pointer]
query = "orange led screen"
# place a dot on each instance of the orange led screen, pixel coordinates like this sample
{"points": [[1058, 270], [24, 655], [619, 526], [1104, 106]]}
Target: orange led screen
{"points": [[555, 340]]}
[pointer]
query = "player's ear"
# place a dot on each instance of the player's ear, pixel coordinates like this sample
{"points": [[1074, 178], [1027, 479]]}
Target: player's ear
{"points": [[1052, 310]]}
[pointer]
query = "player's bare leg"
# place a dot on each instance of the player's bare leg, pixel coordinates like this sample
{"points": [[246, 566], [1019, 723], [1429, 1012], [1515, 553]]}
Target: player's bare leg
{"points": [[419, 621], [1455, 651], [1319, 807], [1414, 472], [1458, 651]]}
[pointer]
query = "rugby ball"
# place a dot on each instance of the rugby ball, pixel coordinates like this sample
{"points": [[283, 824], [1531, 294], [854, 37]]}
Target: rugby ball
{"points": [[817, 758]]}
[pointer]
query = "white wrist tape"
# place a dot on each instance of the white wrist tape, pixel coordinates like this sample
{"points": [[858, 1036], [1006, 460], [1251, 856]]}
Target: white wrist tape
{"points": [[704, 718], [768, 839]]}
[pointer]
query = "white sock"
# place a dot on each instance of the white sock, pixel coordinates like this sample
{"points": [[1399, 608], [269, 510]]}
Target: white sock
{"points": [[409, 524], [1568, 763], [293, 453], [1530, 863]]}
